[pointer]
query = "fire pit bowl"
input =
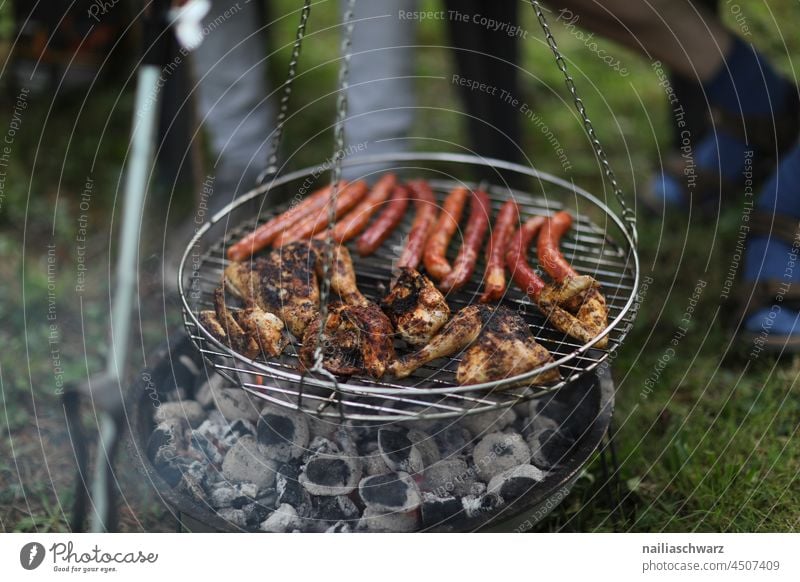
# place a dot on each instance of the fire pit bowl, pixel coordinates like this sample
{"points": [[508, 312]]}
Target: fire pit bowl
{"points": [[223, 461]]}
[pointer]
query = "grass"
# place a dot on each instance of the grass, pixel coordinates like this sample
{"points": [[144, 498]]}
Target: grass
{"points": [[712, 446]]}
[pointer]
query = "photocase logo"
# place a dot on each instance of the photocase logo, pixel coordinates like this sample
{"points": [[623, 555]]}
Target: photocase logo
{"points": [[31, 555]]}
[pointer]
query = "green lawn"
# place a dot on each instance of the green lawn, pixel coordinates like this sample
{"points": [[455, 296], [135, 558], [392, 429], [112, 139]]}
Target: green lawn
{"points": [[706, 441]]}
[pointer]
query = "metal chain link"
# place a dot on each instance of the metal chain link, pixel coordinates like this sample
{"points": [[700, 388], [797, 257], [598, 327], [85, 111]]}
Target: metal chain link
{"points": [[628, 214], [336, 176], [280, 121]]}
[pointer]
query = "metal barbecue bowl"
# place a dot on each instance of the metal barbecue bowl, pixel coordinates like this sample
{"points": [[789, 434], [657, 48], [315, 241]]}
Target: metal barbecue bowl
{"points": [[600, 244]]}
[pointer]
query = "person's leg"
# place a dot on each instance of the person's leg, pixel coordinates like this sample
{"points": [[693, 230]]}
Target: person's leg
{"points": [[771, 270], [686, 38], [488, 56], [231, 72], [381, 96], [689, 92], [755, 109]]}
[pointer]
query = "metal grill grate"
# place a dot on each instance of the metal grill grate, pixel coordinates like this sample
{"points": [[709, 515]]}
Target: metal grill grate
{"points": [[431, 392]]}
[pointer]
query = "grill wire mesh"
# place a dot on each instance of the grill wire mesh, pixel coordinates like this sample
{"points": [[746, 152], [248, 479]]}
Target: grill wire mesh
{"points": [[431, 392]]}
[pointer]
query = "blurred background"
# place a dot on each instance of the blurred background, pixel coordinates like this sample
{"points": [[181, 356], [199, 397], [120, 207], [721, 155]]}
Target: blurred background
{"points": [[708, 448]]}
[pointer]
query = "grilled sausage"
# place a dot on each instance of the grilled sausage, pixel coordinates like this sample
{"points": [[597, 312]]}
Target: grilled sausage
{"points": [[434, 257], [356, 220], [318, 220], [550, 256], [384, 225], [517, 261], [478, 223], [423, 224], [264, 235], [495, 278]]}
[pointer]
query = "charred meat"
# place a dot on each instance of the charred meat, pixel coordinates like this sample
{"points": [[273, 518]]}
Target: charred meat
{"points": [[416, 308], [357, 339], [501, 346]]}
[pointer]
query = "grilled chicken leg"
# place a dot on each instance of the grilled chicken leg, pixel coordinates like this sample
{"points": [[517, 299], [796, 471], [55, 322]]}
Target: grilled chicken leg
{"points": [[356, 339], [416, 307], [285, 283], [502, 346], [249, 331], [457, 334]]}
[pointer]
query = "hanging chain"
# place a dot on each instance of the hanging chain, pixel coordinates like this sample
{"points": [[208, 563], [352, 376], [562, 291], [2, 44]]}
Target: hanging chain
{"points": [[336, 177], [627, 213], [280, 122]]}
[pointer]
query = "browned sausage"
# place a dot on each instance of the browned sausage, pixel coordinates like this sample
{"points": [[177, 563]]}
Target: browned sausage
{"points": [[550, 256], [495, 279], [477, 225], [356, 220], [517, 258], [262, 236], [423, 224], [318, 220], [434, 257], [384, 225]]}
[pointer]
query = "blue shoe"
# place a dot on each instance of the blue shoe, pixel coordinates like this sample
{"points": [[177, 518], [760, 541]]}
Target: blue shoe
{"points": [[738, 152], [769, 296]]}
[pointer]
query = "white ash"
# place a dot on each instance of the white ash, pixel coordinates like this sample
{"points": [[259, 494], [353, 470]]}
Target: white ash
{"points": [[339, 527], [256, 512], [331, 474], [245, 462], [282, 433], [239, 428], [322, 446], [477, 506], [477, 489], [374, 464], [392, 492], [516, 482], [213, 452], [283, 519], [237, 517], [426, 445], [449, 477], [398, 451], [190, 410], [346, 442], [483, 423], [375, 521], [499, 451], [233, 494]]}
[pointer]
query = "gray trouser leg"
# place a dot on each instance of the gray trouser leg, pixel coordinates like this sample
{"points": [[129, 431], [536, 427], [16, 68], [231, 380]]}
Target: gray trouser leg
{"points": [[231, 71], [381, 95]]}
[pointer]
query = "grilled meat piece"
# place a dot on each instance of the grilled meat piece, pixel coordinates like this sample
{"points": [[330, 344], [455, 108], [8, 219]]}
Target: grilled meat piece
{"points": [[416, 308], [249, 331], [356, 339], [575, 294], [459, 332], [265, 328], [285, 282], [504, 347]]}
